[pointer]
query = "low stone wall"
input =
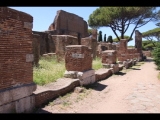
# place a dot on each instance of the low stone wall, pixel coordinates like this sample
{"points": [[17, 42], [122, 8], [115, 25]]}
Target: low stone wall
{"points": [[50, 92], [103, 74], [64, 85]]}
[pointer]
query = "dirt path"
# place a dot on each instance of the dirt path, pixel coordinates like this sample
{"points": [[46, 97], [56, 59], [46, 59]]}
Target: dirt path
{"points": [[137, 91]]}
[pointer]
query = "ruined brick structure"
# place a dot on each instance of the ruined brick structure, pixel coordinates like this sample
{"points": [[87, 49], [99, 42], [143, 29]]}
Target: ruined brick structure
{"points": [[114, 47], [46, 43], [138, 42], [109, 56], [61, 41], [36, 48], [102, 46], [122, 50], [16, 76], [130, 53], [78, 58], [64, 24], [69, 24], [91, 43]]}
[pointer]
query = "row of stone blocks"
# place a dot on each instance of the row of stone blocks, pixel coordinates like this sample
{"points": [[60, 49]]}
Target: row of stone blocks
{"points": [[73, 79]]}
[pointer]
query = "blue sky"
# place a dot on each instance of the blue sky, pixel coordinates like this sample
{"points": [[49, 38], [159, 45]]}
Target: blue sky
{"points": [[44, 16]]}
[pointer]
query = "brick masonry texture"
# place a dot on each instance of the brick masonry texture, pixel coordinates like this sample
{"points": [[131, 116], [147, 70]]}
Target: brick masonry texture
{"points": [[69, 24], [109, 56], [78, 58], [91, 43], [15, 44]]}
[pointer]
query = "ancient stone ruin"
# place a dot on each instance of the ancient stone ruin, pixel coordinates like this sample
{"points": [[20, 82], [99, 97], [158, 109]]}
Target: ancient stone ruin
{"points": [[21, 48], [78, 63], [91, 43], [69, 24], [60, 42], [66, 27], [109, 60], [16, 76], [138, 43], [121, 55], [78, 58]]}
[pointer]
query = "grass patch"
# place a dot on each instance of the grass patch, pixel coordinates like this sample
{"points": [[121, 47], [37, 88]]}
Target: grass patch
{"points": [[50, 70], [96, 63], [159, 76]]}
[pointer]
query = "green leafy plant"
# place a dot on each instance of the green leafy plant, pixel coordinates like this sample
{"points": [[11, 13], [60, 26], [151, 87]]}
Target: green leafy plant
{"points": [[156, 55]]}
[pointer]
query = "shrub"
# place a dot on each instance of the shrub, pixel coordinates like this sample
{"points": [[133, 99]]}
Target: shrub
{"points": [[156, 55]]}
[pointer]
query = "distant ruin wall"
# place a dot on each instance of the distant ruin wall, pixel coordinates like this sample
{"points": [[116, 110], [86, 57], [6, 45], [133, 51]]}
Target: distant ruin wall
{"points": [[69, 24], [46, 43]]}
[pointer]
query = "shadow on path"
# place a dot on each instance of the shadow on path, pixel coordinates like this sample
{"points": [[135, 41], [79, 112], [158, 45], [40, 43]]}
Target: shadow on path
{"points": [[134, 68], [120, 73], [149, 60], [41, 111], [97, 86]]}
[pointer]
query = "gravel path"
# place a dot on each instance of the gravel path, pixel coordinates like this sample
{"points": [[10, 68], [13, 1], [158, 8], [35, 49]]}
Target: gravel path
{"points": [[135, 91]]}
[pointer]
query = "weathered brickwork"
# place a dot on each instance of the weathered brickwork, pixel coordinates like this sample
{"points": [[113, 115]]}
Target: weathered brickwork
{"points": [[78, 58], [47, 45], [15, 48], [109, 56], [122, 50], [36, 49], [66, 23], [61, 41], [91, 43], [138, 42], [130, 53]]}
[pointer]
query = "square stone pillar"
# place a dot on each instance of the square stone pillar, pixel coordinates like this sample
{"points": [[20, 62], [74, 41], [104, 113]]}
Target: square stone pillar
{"points": [[78, 63], [109, 56], [78, 58]]}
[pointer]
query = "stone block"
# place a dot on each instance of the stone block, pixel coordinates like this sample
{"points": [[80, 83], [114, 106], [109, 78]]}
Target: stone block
{"points": [[16, 93], [109, 56], [91, 43], [23, 105], [106, 65], [115, 68], [70, 74], [87, 77], [103, 73], [78, 58]]}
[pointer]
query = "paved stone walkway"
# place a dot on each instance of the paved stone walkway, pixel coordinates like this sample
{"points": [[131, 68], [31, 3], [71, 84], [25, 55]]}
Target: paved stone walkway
{"points": [[145, 98]]}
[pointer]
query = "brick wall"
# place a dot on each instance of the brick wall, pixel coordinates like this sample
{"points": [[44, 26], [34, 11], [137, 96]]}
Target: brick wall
{"points": [[15, 44], [69, 22], [78, 58], [91, 43], [61, 41], [36, 48], [130, 53], [46, 43], [122, 50], [109, 56]]}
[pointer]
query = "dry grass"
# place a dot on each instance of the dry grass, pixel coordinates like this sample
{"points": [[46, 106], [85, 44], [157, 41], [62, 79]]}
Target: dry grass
{"points": [[50, 70]]}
